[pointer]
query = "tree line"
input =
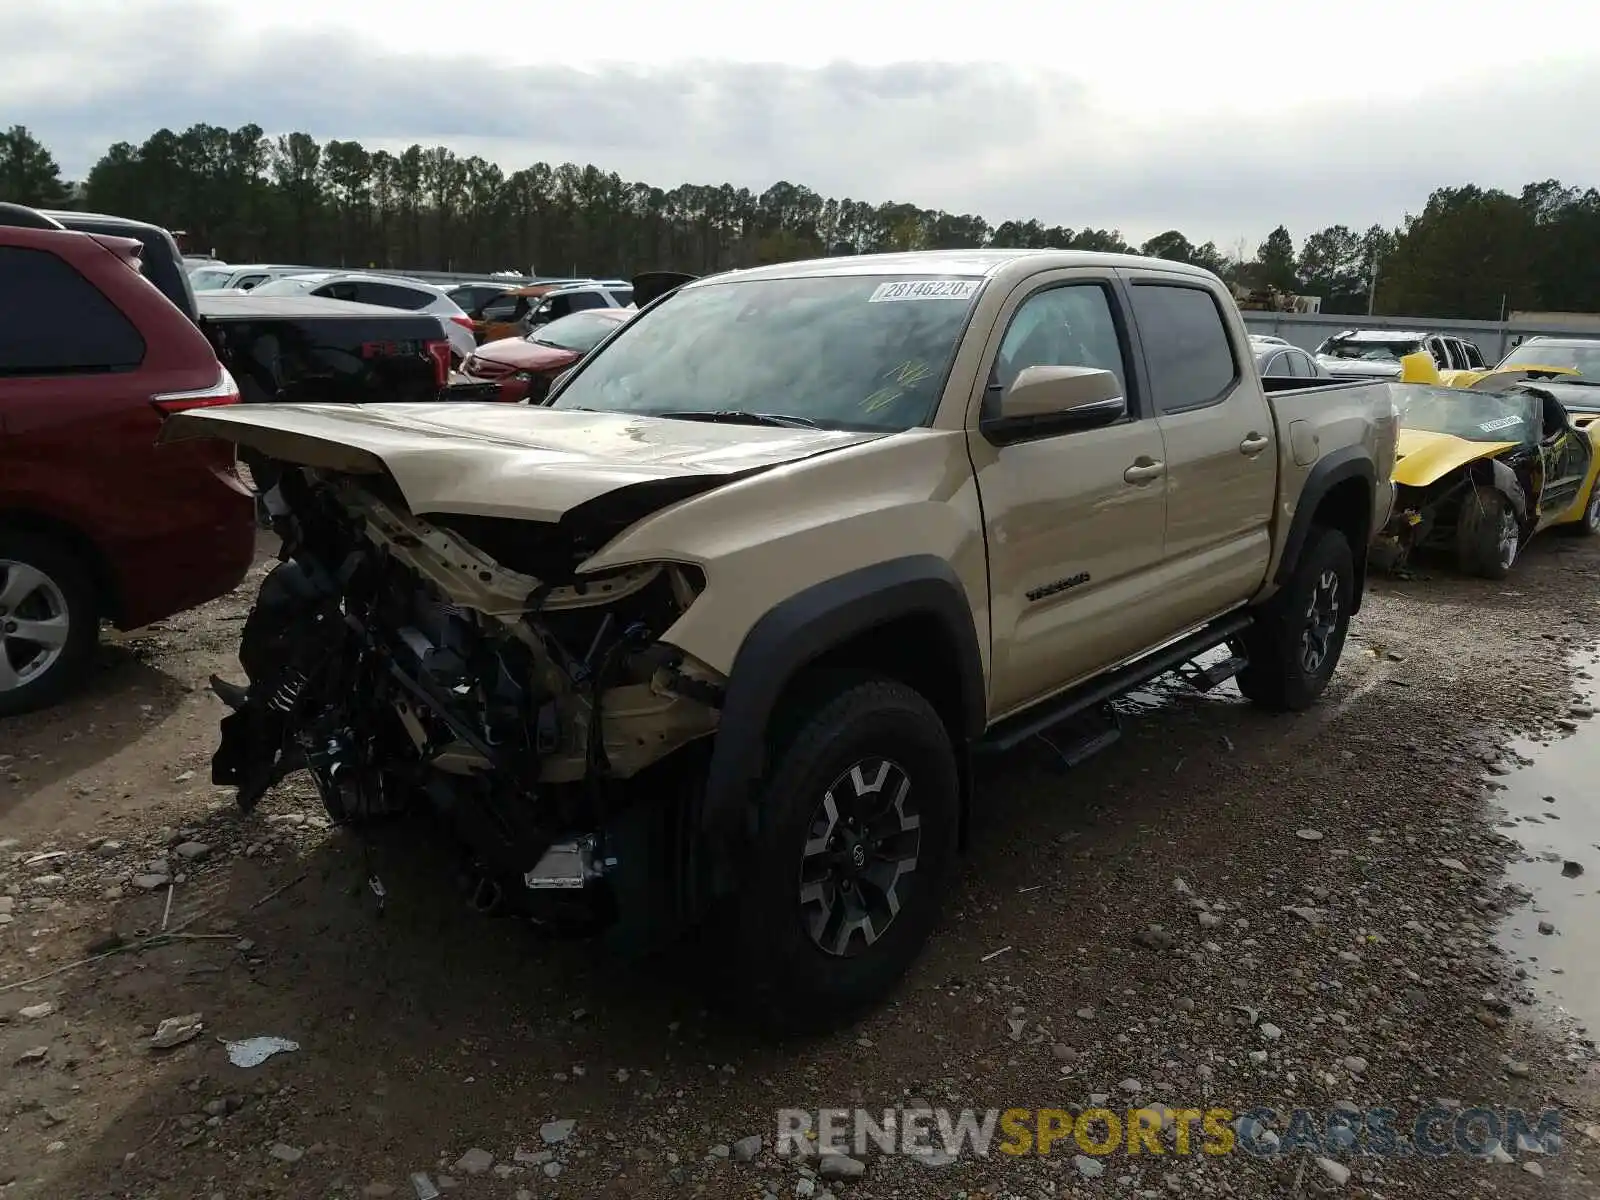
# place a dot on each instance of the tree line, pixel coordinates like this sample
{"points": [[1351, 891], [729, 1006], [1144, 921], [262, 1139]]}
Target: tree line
{"points": [[1470, 253]]}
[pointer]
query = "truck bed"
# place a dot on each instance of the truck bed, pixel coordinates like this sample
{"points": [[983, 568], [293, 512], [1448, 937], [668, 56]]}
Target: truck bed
{"points": [[311, 350]]}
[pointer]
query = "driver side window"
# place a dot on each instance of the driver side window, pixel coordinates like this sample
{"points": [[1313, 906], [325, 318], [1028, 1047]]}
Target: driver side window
{"points": [[1067, 326]]}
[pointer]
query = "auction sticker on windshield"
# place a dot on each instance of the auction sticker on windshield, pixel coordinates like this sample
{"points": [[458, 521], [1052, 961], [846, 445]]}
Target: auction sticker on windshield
{"points": [[1500, 423], [924, 289]]}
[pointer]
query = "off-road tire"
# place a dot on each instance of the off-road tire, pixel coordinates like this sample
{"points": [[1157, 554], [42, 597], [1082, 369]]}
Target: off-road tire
{"points": [[72, 580], [1481, 528], [794, 986], [1278, 675]]}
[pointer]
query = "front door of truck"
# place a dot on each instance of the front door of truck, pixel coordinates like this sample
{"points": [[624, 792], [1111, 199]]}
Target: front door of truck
{"points": [[1222, 454], [1074, 521]]}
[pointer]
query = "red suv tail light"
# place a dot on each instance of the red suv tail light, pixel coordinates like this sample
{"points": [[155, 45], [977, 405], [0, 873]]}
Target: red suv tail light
{"points": [[224, 391], [463, 320], [440, 353]]}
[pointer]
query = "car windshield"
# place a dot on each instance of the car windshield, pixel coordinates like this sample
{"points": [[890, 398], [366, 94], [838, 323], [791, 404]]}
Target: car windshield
{"points": [[289, 285], [1583, 357], [1366, 350], [1513, 416], [209, 281], [581, 332], [842, 351]]}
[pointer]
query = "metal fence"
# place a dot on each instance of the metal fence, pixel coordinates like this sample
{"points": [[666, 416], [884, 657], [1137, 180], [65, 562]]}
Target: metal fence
{"points": [[1494, 338]]}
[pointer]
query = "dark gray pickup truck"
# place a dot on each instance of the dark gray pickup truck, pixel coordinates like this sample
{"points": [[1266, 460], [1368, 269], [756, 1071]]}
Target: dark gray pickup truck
{"points": [[292, 349]]}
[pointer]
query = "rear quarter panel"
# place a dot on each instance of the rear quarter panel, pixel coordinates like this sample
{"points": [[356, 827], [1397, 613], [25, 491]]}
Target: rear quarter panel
{"points": [[1347, 420]]}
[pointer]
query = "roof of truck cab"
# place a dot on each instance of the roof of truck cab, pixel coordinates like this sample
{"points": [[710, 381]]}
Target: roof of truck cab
{"points": [[952, 262], [251, 305], [1380, 335]]}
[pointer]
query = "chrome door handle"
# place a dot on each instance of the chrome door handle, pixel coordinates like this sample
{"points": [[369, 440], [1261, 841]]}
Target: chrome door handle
{"points": [[1144, 472], [1254, 444]]}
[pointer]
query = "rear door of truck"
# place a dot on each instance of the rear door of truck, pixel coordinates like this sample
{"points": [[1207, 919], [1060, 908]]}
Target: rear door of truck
{"points": [[1221, 444]]}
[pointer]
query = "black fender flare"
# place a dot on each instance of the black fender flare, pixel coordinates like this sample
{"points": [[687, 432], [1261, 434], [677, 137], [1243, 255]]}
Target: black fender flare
{"points": [[799, 630], [1350, 462]]}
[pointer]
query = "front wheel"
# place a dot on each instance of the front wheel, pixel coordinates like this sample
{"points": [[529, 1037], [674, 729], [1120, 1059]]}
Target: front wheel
{"points": [[1295, 643], [1488, 537], [856, 837]]}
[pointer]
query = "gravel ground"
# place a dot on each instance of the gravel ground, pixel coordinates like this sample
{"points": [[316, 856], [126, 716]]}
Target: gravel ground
{"points": [[1226, 909]]}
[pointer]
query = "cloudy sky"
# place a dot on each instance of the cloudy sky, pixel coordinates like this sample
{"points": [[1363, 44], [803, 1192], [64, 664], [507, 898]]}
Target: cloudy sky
{"points": [[1220, 120]]}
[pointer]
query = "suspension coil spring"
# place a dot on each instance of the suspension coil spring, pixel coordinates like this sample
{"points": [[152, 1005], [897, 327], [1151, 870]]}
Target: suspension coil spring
{"points": [[288, 691]]}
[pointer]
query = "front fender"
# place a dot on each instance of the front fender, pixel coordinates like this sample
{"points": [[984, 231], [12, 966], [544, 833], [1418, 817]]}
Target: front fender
{"points": [[800, 630]]}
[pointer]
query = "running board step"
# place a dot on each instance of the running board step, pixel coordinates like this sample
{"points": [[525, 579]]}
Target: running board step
{"points": [[1203, 679], [1012, 732], [1083, 738]]}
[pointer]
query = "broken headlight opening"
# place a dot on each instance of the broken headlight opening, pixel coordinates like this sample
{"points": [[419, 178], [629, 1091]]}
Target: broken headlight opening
{"points": [[461, 668]]}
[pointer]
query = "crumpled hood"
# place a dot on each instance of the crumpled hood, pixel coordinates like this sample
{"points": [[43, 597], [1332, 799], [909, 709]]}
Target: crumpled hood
{"points": [[1422, 457], [522, 462]]}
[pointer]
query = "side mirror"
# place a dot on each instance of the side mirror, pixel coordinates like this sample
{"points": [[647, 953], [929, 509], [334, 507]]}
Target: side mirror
{"points": [[1050, 400]]}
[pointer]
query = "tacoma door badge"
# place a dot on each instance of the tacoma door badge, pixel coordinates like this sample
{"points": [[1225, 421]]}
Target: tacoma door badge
{"points": [[1059, 585]]}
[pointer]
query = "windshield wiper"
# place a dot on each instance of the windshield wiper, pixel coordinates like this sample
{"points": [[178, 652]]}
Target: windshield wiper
{"points": [[738, 416]]}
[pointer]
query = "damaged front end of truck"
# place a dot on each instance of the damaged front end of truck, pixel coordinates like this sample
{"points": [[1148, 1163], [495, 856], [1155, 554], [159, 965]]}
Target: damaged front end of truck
{"points": [[399, 664], [433, 645]]}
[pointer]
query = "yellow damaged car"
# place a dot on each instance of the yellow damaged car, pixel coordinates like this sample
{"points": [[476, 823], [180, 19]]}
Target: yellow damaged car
{"points": [[1538, 358], [1477, 473]]}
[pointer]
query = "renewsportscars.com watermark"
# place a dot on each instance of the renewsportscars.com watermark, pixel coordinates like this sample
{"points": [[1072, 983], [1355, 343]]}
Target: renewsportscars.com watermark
{"points": [[943, 1134]]}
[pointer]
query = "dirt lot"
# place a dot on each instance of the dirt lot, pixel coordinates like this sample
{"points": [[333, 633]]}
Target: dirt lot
{"points": [[427, 1031]]}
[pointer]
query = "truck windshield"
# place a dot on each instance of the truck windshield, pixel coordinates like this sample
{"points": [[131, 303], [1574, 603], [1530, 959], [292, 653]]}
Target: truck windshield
{"points": [[842, 351], [209, 280], [1473, 416], [1367, 350]]}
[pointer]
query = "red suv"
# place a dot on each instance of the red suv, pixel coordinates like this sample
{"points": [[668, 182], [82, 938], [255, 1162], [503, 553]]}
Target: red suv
{"points": [[96, 522]]}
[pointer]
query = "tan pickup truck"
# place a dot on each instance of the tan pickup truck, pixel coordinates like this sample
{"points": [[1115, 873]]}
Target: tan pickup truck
{"points": [[716, 630]]}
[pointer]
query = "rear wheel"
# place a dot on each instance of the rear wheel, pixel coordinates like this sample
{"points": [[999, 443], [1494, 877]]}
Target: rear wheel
{"points": [[1295, 643], [1488, 537], [855, 841], [1589, 524], [49, 622]]}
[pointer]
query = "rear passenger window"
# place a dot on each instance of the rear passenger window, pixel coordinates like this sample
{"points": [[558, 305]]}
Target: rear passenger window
{"points": [[577, 301], [1299, 365], [1186, 345], [57, 322], [391, 295]]}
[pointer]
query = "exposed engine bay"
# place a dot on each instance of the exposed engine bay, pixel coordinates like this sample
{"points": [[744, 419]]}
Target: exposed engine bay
{"points": [[527, 708]]}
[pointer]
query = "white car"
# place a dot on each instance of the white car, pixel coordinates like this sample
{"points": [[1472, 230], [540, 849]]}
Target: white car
{"points": [[384, 291], [218, 277], [1277, 359]]}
